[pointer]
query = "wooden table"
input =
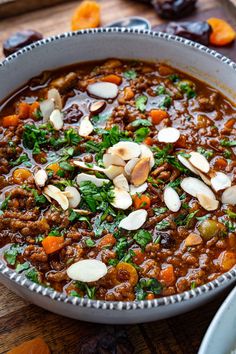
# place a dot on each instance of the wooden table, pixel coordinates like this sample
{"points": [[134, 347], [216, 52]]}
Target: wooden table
{"points": [[20, 321]]}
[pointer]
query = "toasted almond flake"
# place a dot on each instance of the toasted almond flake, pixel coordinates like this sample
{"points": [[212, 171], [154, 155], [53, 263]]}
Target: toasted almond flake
{"points": [[199, 161], [140, 189], [134, 220], [122, 199], [82, 177], [73, 196], [140, 172], [220, 181], [171, 199], [86, 127], [187, 164], [103, 90], [113, 171], [46, 108], [193, 240], [121, 182], [193, 186], [40, 178], [130, 166], [110, 159], [56, 118], [82, 212], [56, 194], [229, 196], [53, 94], [89, 167], [205, 178], [146, 152], [127, 150], [97, 107], [207, 203], [168, 135], [87, 270]]}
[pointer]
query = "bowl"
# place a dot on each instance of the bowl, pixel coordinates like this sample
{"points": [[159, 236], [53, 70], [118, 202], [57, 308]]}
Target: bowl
{"points": [[220, 336], [95, 44]]}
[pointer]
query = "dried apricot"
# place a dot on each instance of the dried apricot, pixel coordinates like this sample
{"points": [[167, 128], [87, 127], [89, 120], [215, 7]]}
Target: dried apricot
{"points": [[87, 15], [222, 33]]}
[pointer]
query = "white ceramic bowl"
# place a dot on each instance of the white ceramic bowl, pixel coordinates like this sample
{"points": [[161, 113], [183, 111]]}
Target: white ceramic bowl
{"points": [[86, 45]]}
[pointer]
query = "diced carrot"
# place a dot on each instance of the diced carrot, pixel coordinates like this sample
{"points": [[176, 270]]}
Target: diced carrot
{"points": [[150, 296], [141, 202], [230, 123], [86, 15], [53, 167], [33, 109], [148, 141], [52, 244], [34, 346], [107, 241], [139, 256], [128, 93], [158, 115], [114, 79], [167, 275], [220, 163], [21, 175], [9, 121], [23, 110], [227, 260], [222, 33]]}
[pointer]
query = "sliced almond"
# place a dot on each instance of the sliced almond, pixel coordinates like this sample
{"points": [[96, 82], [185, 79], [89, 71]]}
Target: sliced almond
{"points": [[199, 161], [127, 150], [140, 172], [104, 90], [140, 189], [168, 135], [86, 127], [130, 166], [204, 178], [40, 178], [146, 152], [193, 186], [73, 196], [172, 199], [121, 182], [87, 270], [220, 181], [56, 118], [193, 240], [113, 171], [46, 108], [82, 212], [229, 196], [89, 167], [110, 159], [122, 199], [134, 220], [187, 164], [53, 94], [97, 107], [207, 203], [56, 194], [82, 177]]}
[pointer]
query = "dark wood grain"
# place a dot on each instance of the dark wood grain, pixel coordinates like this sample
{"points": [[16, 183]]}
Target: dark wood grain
{"points": [[21, 321]]}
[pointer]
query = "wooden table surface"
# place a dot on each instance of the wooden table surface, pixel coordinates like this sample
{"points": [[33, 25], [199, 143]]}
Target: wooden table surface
{"points": [[21, 321]]}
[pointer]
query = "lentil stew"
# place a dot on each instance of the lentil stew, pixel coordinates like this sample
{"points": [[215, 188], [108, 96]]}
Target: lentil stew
{"points": [[118, 181]]}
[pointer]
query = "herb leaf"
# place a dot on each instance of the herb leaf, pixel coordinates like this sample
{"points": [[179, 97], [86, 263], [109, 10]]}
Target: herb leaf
{"points": [[143, 237], [141, 102]]}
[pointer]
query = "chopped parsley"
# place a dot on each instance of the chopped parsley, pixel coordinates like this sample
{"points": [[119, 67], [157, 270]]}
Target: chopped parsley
{"points": [[160, 90], [75, 216], [89, 242], [187, 88], [121, 247], [130, 74], [141, 134], [141, 103], [143, 237], [159, 211], [163, 225], [4, 204], [227, 143], [231, 214], [12, 252], [141, 122], [33, 275], [96, 198], [146, 285], [165, 102], [90, 291], [207, 153], [24, 158], [22, 266], [174, 78]]}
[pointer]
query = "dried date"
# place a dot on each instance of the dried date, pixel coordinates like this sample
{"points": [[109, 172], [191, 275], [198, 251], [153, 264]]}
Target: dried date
{"points": [[19, 40], [173, 9], [72, 114], [198, 31]]}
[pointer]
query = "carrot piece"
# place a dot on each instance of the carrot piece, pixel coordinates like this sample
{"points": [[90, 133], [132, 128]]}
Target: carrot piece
{"points": [[52, 244], [21, 175], [222, 33], [23, 110], [128, 93], [141, 202], [114, 79], [139, 256], [230, 123], [53, 167], [227, 260], [150, 296], [158, 115], [33, 109], [168, 275], [220, 163], [148, 141], [9, 121], [86, 15], [34, 346], [107, 241]]}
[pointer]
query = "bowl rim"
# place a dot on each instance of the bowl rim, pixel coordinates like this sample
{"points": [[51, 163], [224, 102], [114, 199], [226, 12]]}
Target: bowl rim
{"points": [[52, 294]]}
